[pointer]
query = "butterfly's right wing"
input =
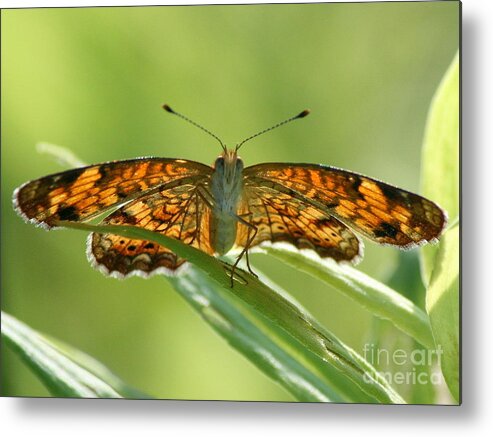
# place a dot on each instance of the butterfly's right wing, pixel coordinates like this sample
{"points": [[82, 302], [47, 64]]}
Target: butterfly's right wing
{"points": [[380, 211], [178, 212], [280, 217], [83, 193]]}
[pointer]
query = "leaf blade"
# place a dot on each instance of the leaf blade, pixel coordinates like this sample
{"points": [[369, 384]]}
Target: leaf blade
{"points": [[443, 306], [378, 298], [61, 374], [238, 330], [440, 173]]}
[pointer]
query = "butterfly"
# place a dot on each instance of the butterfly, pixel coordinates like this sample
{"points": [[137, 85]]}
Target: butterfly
{"points": [[227, 206]]}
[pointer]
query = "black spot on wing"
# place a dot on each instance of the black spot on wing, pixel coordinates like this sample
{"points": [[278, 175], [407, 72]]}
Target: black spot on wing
{"points": [[355, 184], [121, 194], [68, 213], [103, 173], [127, 218], [122, 217], [386, 230], [325, 222], [333, 203], [391, 192], [68, 177], [65, 178]]}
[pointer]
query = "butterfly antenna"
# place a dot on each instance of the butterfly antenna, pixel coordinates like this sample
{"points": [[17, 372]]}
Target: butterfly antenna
{"points": [[300, 115], [172, 111]]}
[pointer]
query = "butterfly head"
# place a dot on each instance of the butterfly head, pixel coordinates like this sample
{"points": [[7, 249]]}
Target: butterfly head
{"points": [[229, 164]]}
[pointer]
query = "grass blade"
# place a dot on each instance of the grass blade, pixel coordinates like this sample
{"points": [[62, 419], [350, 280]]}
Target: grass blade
{"points": [[379, 299], [57, 366], [241, 332]]}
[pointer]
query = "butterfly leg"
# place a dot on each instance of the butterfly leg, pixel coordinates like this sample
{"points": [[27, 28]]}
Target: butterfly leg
{"points": [[249, 242], [250, 239], [234, 274]]}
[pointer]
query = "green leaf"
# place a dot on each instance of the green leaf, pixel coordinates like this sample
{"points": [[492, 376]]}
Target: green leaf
{"points": [[440, 182], [64, 371], [406, 279], [442, 304], [278, 317], [239, 328], [440, 155], [378, 298]]}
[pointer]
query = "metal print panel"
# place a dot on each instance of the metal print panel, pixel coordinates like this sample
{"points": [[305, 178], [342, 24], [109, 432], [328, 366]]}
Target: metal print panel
{"points": [[263, 254]]}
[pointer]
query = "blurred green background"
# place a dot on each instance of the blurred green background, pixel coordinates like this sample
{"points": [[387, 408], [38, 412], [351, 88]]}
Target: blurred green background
{"points": [[93, 80]]}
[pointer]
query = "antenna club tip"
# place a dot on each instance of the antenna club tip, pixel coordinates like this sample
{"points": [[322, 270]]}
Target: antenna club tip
{"points": [[303, 113], [167, 108]]}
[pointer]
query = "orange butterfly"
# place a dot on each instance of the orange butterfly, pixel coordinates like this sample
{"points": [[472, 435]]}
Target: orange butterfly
{"points": [[216, 209]]}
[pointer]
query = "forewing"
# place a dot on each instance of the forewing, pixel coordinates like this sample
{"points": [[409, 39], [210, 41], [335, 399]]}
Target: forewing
{"points": [[83, 193], [178, 213], [280, 217], [381, 212]]}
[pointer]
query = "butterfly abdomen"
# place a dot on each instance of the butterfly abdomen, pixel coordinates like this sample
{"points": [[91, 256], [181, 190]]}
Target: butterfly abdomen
{"points": [[226, 189]]}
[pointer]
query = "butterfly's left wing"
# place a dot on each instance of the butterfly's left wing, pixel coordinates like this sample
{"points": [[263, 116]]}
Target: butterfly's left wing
{"points": [[381, 212], [84, 193], [280, 217], [179, 213]]}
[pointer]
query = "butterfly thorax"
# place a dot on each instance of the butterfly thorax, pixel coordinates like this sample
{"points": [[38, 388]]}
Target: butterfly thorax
{"points": [[226, 188]]}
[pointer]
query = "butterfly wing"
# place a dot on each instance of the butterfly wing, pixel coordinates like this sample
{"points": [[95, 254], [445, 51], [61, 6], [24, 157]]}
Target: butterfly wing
{"points": [[178, 213], [83, 193], [381, 212], [280, 217]]}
